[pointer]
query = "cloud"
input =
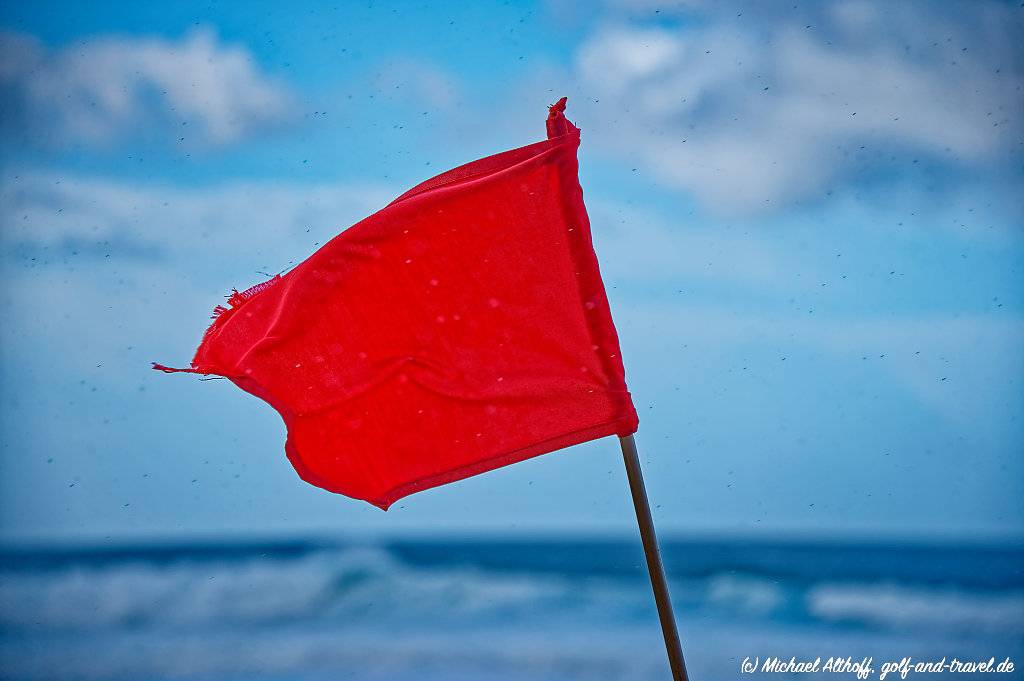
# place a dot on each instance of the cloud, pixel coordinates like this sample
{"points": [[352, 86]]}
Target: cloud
{"points": [[195, 91], [641, 246], [751, 109], [222, 233], [961, 367]]}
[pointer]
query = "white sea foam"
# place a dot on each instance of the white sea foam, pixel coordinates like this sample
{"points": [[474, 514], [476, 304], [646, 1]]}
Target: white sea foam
{"points": [[745, 593], [892, 606]]}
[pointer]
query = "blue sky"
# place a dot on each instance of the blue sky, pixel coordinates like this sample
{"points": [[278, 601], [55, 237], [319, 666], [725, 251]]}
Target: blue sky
{"points": [[808, 216]]}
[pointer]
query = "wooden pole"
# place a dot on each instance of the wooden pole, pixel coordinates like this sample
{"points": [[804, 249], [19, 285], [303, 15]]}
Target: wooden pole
{"points": [[653, 555]]}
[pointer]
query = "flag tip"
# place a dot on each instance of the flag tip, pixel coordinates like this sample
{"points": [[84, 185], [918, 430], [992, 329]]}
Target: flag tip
{"points": [[172, 370], [557, 124]]}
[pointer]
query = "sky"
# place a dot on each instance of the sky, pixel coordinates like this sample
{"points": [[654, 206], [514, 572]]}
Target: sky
{"points": [[808, 216]]}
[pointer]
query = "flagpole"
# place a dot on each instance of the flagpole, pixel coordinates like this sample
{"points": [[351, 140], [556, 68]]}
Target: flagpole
{"points": [[653, 555]]}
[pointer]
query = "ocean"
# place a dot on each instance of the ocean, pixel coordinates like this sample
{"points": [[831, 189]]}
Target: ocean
{"points": [[523, 610]]}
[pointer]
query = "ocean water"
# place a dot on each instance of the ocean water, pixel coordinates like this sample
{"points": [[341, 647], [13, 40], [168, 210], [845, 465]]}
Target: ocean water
{"points": [[542, 610]]}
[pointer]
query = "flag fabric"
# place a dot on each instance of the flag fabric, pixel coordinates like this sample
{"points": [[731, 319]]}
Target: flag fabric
{"points": [[461, 328]]}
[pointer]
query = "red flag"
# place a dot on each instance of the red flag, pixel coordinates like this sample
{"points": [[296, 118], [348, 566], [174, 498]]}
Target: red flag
{"points": [[462, 328]]}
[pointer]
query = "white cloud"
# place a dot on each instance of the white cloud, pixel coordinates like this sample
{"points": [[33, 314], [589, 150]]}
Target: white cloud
{"points": [[752, 111], [196, 90], [212, 232], [958, 366], [637, 245]]}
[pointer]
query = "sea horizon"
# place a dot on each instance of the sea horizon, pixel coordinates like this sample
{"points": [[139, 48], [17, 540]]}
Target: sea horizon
{"points": [[326, 538]]}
